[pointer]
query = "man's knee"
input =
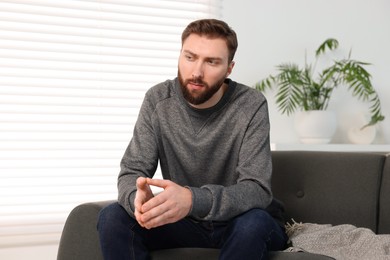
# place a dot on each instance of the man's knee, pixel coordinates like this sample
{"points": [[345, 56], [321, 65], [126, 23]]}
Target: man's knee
{"points": [[114, 228], [112, 216], [253, 223]]}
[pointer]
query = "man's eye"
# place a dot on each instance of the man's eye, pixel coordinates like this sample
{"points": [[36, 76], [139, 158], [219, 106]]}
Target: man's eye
{"points": [[188, 57]]}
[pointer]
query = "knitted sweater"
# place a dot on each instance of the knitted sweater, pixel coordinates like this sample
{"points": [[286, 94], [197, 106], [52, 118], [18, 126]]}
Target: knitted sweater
{"points": [[222, 154]]}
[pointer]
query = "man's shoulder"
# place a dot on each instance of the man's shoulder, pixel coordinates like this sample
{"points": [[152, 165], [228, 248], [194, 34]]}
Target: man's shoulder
{"points": [[162, 91], [246, 96]]}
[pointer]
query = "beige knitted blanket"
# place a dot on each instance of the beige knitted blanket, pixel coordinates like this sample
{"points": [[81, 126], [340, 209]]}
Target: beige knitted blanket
{"points": [[342, 242]]}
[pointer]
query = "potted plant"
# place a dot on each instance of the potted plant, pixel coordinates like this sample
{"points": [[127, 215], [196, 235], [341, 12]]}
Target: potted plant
{"points": [[307, 89]]}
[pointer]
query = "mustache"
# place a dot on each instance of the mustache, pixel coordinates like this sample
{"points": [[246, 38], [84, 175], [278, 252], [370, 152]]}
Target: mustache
{"points": [[198, 81]]}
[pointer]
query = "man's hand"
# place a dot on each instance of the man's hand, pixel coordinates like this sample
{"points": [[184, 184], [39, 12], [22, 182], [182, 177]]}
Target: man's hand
{"points": [[169, 206], [143, 194]]}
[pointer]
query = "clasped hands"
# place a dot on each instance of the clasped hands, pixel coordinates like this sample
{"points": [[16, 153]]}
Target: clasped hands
{"points": [[169, 206]]}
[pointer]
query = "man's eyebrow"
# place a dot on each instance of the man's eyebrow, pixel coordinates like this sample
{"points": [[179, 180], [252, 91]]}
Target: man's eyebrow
{"points": [[196, 55], [190, 52], [215, 58]]}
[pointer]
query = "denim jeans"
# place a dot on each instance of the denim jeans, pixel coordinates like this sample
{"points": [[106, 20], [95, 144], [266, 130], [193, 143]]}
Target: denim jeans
{"points": [[247, 236]]}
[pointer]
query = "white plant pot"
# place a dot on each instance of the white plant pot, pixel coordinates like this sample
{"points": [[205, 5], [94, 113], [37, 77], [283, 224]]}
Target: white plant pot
{"points": [[357, 135], [386, 131], [315, 126]]}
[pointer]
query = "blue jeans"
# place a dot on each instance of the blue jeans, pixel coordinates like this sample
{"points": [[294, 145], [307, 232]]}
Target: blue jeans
{"points": [[247, 236]]}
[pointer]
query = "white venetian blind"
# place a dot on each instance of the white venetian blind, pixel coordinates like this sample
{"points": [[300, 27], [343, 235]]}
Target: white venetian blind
{"points": [[72, 78]]}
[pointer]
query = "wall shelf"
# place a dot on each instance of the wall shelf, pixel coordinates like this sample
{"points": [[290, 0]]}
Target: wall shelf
{"points": [[331, 147]]}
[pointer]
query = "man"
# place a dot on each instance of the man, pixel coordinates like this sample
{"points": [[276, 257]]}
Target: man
{"points": [[211, 136]]}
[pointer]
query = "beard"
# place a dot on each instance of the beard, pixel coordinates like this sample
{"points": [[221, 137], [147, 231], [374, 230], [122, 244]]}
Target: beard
{"points": [[198, 97]]}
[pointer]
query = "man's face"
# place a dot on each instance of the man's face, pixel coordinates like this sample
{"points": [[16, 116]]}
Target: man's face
{"points": [[203, 67]]}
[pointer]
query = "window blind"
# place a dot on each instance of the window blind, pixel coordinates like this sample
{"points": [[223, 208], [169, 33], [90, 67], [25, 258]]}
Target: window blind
{"points": [[72, 78]]}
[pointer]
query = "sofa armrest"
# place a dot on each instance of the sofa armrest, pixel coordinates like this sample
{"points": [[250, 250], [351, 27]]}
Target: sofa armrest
{"points": [[80, 239]]}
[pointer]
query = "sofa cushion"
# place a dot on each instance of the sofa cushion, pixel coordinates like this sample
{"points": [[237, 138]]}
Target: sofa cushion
{"points": [[384, 202], [329, 187]]}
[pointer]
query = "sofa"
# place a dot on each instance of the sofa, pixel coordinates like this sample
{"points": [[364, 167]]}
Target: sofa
{"points": [[315, 187]]}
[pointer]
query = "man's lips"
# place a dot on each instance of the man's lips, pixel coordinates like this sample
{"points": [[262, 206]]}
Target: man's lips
{"points": [[195, 85]]}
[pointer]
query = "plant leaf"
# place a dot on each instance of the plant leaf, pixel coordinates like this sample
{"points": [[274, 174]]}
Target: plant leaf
{"points": [[330, 44]]}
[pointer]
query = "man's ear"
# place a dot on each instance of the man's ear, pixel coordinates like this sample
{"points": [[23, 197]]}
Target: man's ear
{"points": [[230, 68]]}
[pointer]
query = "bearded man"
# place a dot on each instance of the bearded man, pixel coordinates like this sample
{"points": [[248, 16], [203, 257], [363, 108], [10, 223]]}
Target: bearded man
{"points": [[211, 137]]}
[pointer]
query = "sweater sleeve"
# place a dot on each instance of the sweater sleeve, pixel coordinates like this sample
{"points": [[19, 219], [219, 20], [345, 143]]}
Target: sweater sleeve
{"points": [[140, 158], [253, 187]]}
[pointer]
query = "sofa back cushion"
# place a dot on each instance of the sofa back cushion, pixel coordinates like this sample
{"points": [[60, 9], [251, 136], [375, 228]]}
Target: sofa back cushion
{"points": [[384, 200], [329, 187]]}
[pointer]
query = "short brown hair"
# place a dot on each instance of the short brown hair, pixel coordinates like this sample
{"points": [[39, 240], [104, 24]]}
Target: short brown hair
{"points": [[213, 28]]}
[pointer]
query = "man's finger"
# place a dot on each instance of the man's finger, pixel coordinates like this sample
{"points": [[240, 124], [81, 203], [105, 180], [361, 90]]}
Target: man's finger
{"points": [[141, 182], [152, 203], [159, 219], [158, 182]]}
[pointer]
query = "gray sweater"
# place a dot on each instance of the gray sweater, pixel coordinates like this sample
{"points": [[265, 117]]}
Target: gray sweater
{"points": [[222, 154]]}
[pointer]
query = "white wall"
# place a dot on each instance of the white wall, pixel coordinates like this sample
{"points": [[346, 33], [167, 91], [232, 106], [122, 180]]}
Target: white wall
{"points": [[274, 31]]}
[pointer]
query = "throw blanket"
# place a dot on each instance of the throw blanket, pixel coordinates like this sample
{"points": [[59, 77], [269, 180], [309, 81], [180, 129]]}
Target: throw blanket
{"points": [[342, 242]]}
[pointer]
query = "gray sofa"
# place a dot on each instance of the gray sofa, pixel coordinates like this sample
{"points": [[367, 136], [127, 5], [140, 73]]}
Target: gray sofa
{"points": [[316, 187]]}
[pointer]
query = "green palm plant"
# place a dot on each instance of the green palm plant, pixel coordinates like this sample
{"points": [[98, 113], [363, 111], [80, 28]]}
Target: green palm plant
{"points": [[298, 88]]}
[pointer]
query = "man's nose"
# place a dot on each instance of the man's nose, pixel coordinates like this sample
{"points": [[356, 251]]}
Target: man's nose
{"points": [[198, 70]]}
